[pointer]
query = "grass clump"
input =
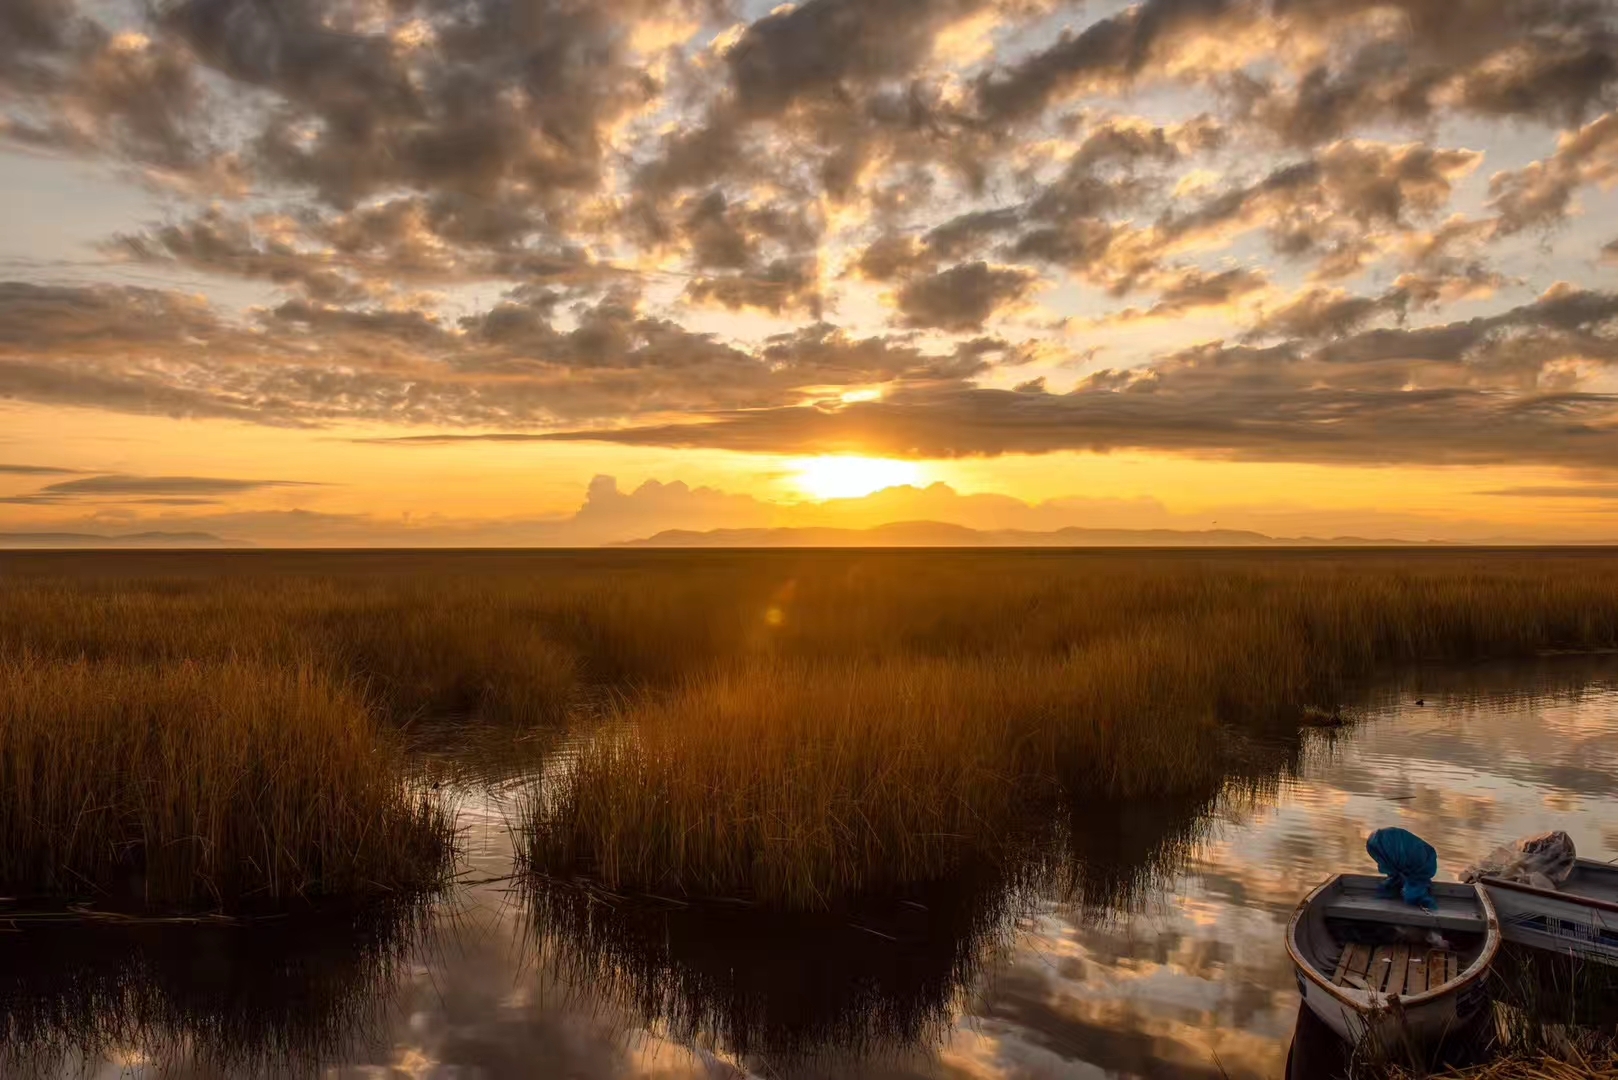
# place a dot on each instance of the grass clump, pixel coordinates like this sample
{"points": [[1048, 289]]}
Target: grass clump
{"points": [[794, 726], [202, 783], [794, 778], [1529, 1066]]}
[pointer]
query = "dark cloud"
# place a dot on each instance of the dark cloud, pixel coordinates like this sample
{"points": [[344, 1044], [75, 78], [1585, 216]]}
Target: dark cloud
{"points": [[153, 490], [93, 91], [821, 45], [891, 256], [482, 99], [34, 34], [1346, 187], [1541, 194], [1599, 492], [217, 243], [1192, 288], [844, 83], [33, 470], [1485, 391], [1108, 54], [963, 297], [375, 172], [45, 318], [1334, 208], [1549, 60], [783, 285], [523, 362], [966, 234], [1318, 312]]}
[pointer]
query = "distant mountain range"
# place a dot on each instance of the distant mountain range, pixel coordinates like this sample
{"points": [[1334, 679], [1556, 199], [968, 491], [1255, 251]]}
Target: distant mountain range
{"points": [[127, 540], [939, 534]]}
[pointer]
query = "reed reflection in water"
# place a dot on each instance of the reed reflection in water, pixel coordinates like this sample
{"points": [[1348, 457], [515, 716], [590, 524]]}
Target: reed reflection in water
{"points": [[269, 996], [1141, 939]]}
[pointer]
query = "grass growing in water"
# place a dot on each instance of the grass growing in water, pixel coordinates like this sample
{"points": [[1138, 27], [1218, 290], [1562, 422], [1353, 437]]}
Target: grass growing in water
{"points": [[795, 781], [212, 783], [1553, 1019], [790, 726]]}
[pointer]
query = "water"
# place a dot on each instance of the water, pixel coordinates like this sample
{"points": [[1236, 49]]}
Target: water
{"points": [[1172, 966]]}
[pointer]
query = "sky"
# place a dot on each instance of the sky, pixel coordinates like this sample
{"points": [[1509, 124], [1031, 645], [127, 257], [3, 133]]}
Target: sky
{"points": [[350, 272]]}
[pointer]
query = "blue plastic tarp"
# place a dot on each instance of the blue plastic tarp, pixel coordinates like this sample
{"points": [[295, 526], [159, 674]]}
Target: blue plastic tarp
{"points": [[1409, 863]]}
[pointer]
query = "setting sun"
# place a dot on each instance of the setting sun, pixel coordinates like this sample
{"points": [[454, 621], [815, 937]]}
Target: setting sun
{"points": [[852, 477]]}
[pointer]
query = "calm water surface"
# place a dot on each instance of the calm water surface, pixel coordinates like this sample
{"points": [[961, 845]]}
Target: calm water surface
{"points": [[1173, 967]]}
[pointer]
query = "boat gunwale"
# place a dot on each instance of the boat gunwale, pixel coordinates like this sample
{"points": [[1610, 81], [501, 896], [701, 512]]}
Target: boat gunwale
{"points": [[1577, 899], [1476, 970]]}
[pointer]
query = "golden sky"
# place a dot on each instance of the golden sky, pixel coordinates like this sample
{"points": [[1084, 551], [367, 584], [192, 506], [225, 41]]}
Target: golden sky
{"points": [[578, 271]]}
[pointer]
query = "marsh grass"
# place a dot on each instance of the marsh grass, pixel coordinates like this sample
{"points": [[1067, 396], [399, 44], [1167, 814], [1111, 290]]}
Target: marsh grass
{"points": [[212, 783], [794, 776], [788, 727], [1553, 1019]]}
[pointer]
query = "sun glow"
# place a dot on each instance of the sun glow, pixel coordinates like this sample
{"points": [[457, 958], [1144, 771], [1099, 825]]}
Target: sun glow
{"points": [[852, 477]]}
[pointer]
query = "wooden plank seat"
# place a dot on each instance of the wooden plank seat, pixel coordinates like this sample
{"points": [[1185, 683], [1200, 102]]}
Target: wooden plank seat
{"points": [[1396, 969], [1360, 907]]}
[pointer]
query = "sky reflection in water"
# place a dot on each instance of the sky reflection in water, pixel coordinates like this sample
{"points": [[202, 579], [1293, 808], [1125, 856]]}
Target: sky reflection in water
{"points": [[1190, 978]]}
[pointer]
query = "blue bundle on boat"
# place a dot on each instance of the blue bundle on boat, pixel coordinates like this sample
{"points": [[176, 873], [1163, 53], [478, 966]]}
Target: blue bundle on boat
{"points": [[1409, 862]]}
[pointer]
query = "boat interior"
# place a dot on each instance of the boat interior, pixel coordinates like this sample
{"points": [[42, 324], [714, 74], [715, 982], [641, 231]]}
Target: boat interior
{"points": [[1361, 941], [1596, 880]]}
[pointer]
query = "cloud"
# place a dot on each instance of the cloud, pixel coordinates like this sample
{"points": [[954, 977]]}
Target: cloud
{"points": [[543, 218], [609, 514], [1541, 194], [1191, 289], [302, 363], [218, 243], [33, 470], [1322, 312], [1491, 390], [1367, 63], [962, 297], [1601, 492], [1109, 54], [1339, 207], [481, 99], [783, 285], [155, 490]]}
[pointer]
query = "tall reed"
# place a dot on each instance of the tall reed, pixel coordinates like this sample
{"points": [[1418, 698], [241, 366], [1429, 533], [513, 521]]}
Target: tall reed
{"points": [[213, 783], [796, 725], [796, 781]]}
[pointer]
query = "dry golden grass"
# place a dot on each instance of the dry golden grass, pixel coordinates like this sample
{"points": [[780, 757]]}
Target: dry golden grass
{"points": [[798, 725], [187, 782], [796, 781], [1538, 1067]]}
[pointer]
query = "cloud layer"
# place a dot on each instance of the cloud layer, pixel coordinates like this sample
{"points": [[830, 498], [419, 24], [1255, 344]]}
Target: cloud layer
{"points": [[1271, 229]]}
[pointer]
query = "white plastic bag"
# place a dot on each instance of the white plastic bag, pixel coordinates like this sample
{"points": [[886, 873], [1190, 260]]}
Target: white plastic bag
{"points": [[1543, 861]]}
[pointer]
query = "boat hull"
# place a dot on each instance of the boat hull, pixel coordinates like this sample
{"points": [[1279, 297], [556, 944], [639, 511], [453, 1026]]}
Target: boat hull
{"points": [[1417, 1021], [1424, 1023], [1579, 927]]}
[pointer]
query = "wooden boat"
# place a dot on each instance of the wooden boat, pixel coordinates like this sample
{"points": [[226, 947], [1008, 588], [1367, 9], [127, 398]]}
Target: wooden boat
{"points": [[1578, 918], [1372, 966]]}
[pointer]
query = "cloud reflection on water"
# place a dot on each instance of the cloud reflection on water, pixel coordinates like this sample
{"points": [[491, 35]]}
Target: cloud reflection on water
{"points": [[1167, 960]]}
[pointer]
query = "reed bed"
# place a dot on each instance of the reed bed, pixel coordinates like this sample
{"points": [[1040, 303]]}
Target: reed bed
{"points": [[795, 781], [213, 783], [790, 727]]}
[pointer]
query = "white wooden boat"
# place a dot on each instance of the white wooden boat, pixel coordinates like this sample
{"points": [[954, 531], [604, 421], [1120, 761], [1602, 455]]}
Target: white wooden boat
{"points": [[1578, 918], [1372, 966]]}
